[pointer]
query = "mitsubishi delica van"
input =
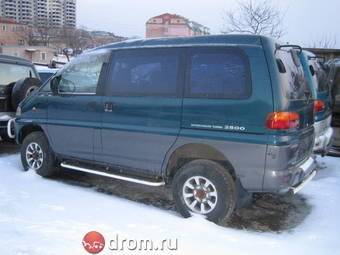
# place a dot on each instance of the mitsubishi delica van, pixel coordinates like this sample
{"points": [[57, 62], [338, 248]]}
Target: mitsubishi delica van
{"points": [[214, 117], [320, 86]]}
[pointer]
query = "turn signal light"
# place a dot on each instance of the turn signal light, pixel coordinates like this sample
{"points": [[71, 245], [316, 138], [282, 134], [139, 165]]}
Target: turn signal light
{"points": [[283, 120], [319, 106]]}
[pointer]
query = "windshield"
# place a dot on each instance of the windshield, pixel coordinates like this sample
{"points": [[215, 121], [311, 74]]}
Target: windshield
{"points": [[294, 83], [11, 73]]}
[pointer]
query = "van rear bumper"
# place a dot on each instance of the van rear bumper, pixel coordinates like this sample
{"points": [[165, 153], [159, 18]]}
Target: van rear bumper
{"points": [[290, 180], [323, 136]]}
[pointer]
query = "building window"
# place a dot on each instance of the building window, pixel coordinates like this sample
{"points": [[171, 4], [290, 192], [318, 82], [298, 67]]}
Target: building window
{"points": [[4, 28], [43, 56], [21, 42]]}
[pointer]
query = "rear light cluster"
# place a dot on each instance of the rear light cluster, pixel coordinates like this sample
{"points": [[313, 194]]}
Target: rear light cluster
{"points": [[319, 106], [283, 120]]}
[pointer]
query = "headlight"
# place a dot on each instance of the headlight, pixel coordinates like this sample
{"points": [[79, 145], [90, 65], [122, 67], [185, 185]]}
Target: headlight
{"points": [[18, 112]]}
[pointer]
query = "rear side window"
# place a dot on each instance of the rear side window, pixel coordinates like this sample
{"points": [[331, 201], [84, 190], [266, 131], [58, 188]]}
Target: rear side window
{"points": [[293, 81], [145, 72], [218, 73], [321, 75]]}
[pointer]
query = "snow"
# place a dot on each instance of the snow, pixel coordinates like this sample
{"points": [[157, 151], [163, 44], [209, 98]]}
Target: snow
{"points": [[44, 216]]}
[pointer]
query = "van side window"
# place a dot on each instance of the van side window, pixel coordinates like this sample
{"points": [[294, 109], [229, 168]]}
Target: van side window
{"points": [[81, 75], [218, 73], [145, 72]]}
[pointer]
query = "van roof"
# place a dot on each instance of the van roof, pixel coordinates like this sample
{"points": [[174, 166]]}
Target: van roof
{"points": [[187, 41], [14, 60]]}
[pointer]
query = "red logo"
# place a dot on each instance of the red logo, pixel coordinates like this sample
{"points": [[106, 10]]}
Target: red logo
{"points": [[93, 242]]}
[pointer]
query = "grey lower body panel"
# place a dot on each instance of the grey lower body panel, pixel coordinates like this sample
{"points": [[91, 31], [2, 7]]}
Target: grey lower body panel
{"points": [[246, 159]]}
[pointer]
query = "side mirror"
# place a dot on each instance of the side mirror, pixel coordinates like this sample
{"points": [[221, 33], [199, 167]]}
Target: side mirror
{"points": [[54, 84]]}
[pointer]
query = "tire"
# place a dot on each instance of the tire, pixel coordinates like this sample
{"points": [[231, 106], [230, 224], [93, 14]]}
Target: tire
{"points": [[48, 165], [22, 89], [219, 180]]}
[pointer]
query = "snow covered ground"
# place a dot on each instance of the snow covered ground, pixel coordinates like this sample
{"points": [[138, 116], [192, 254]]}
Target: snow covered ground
{"points": [[41, 216]]}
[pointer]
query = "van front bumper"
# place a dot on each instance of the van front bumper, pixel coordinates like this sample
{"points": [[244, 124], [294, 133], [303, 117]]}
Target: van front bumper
{"points": [[4, 118], [11, 128]]}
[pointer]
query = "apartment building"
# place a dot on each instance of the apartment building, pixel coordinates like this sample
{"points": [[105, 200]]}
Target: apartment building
{"points": [[12, 32], [42, 13], [167, 24]]}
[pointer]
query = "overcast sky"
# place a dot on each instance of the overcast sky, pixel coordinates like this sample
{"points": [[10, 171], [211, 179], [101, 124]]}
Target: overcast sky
{"points": [[305, 21]]}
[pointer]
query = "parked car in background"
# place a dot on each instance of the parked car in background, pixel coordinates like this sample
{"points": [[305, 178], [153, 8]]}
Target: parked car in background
{"points": [[320, 86], [45, 72], [216, 117], [18, 79]]}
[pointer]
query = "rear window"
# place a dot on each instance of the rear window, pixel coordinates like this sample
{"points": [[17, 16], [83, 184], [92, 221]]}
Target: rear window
{"points": [[218, 73], [293, 83], [12, 73], [322, 77]]}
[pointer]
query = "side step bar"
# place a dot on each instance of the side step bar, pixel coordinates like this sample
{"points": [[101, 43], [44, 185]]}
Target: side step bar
{"points": [[113, 176]]}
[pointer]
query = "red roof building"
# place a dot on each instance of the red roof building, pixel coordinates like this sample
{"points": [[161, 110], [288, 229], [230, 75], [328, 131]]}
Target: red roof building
{"points": [[167, 24]]}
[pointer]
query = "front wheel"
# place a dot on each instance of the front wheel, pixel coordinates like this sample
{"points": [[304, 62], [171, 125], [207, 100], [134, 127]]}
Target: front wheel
{"points": [[36, 154], [205, 187]]}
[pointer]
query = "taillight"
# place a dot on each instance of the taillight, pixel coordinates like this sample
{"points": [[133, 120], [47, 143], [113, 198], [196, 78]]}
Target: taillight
{"points": [[319, 106], [283, 120]]}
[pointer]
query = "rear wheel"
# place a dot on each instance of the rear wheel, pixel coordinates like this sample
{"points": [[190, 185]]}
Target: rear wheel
{"points": [[205, 187], [36, 154]]}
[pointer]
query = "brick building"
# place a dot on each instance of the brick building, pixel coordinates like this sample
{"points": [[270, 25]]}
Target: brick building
{"points": [[166, 25], [11, 32], [35, 54]]}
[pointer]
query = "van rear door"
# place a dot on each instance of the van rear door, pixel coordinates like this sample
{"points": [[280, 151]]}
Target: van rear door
{"points": [[296, 98], [297, 94]]}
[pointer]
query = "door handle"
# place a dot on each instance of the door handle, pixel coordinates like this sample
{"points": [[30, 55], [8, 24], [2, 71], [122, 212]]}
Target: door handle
{"points": [[109, 106]]}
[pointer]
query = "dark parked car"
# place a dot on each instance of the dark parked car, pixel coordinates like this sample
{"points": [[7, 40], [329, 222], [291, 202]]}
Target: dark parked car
{"points": [[216, 117], [334, 69], [18, 79]]}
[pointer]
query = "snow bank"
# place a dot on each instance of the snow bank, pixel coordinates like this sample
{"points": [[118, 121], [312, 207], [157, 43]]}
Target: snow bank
{"points": [[40, 216]]}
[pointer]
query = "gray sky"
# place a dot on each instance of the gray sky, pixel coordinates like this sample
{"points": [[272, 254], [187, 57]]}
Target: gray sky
{"points": [[305, 22]]}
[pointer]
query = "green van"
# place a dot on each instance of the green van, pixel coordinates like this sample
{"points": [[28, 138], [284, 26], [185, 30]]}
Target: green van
{"points": [[320, 86], [215, 117]]}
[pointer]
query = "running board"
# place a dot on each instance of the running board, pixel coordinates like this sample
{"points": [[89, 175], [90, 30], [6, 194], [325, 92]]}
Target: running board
{"points": [[113, 176]]}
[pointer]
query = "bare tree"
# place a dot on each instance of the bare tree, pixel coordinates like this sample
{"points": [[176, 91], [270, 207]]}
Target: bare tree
{"points": [[255, 17], [326, 41]]}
